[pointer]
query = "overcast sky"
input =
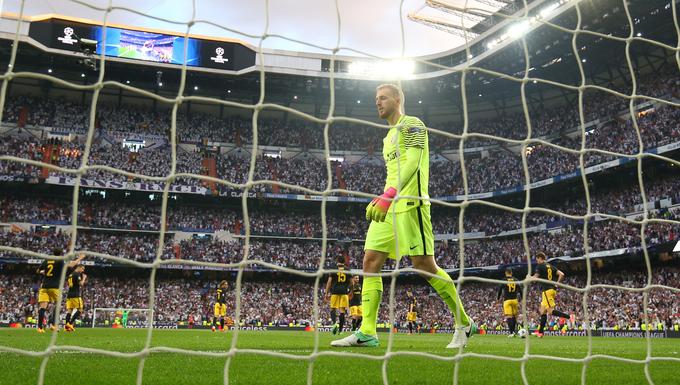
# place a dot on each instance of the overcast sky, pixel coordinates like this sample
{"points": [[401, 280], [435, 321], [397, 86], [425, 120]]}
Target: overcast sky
{"points": [[366, 25]]}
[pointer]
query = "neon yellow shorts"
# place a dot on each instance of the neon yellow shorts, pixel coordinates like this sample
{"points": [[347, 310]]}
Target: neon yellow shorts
{"points": [[49, 295], [220, 309], [548, 298], [355, 311], [414, 234], [411, 316], [511, 308], [74, 303], [339, 301]]}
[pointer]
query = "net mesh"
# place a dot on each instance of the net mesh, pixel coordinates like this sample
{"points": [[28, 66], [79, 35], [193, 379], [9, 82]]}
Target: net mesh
{"points": [[256, 108]]}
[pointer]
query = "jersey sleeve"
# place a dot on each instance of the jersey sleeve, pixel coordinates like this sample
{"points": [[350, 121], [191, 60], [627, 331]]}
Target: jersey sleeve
{"points": [[413, 132]]}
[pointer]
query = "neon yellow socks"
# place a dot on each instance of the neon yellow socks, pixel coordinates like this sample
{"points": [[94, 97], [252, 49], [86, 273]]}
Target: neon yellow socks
{"points": [[371, 295], [447, 291]]}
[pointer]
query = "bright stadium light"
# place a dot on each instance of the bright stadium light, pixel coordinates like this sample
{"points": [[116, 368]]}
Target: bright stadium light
{"points": [[519, 29], [545, 12], [383, 69]]}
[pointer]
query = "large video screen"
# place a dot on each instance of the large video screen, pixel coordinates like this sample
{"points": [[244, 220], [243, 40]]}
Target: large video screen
{"points": [[147, 46], [141, 45]]}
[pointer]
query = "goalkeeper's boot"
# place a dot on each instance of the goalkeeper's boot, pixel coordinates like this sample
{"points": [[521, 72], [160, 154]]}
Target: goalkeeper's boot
{"points": [[356, 339], [41, 330], [335, 328], [461, 335]]}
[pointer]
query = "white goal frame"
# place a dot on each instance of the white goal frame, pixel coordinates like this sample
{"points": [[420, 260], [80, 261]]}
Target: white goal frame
{"points": [[94, 312], [466, 70]]}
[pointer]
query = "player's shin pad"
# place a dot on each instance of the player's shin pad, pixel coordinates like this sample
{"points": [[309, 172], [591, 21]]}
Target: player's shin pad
{"points": [[447, 291], [371, 295]]}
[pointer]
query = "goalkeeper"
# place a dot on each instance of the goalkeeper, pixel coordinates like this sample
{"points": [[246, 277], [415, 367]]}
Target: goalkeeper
{"points": [[406, 154]]}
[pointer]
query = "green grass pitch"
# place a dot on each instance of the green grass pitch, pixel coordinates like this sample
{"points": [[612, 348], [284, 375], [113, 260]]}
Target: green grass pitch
{"points": [[68, 367]]}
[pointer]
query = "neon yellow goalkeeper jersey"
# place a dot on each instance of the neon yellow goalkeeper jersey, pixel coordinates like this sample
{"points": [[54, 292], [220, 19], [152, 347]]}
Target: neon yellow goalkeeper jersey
{"points": [[408, 132]]}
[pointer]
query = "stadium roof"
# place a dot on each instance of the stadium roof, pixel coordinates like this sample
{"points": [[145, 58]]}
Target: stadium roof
{"points": [[430, 27]]}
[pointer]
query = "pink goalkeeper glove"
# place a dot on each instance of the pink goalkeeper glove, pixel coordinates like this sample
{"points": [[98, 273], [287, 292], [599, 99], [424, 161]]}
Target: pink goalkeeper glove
{"points": [[377, 209]]}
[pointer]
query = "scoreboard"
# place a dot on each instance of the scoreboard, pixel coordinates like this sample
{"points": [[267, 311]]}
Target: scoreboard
{"points": [[143, 45]]}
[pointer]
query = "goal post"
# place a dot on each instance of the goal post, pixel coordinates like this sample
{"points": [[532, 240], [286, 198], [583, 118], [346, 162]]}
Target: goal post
{"points": [[466, 75], [110, 314]]}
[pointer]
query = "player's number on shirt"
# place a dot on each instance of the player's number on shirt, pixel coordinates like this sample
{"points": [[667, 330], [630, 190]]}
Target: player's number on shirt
{"points": [[70, 281], [512, 287], [549, 273], [342, 277], [49, 271]]}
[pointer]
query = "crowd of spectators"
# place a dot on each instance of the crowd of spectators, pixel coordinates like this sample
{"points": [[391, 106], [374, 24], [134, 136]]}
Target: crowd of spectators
{"points": [[67, 116], [285, 302], [607, 308], [563, 239], [486, 243], [281, 220], [289, 302], [496, 170]]}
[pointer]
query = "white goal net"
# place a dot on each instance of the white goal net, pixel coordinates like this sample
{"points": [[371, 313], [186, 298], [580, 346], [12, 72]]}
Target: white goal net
{"points": [[120, 317], [580, 149]]}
